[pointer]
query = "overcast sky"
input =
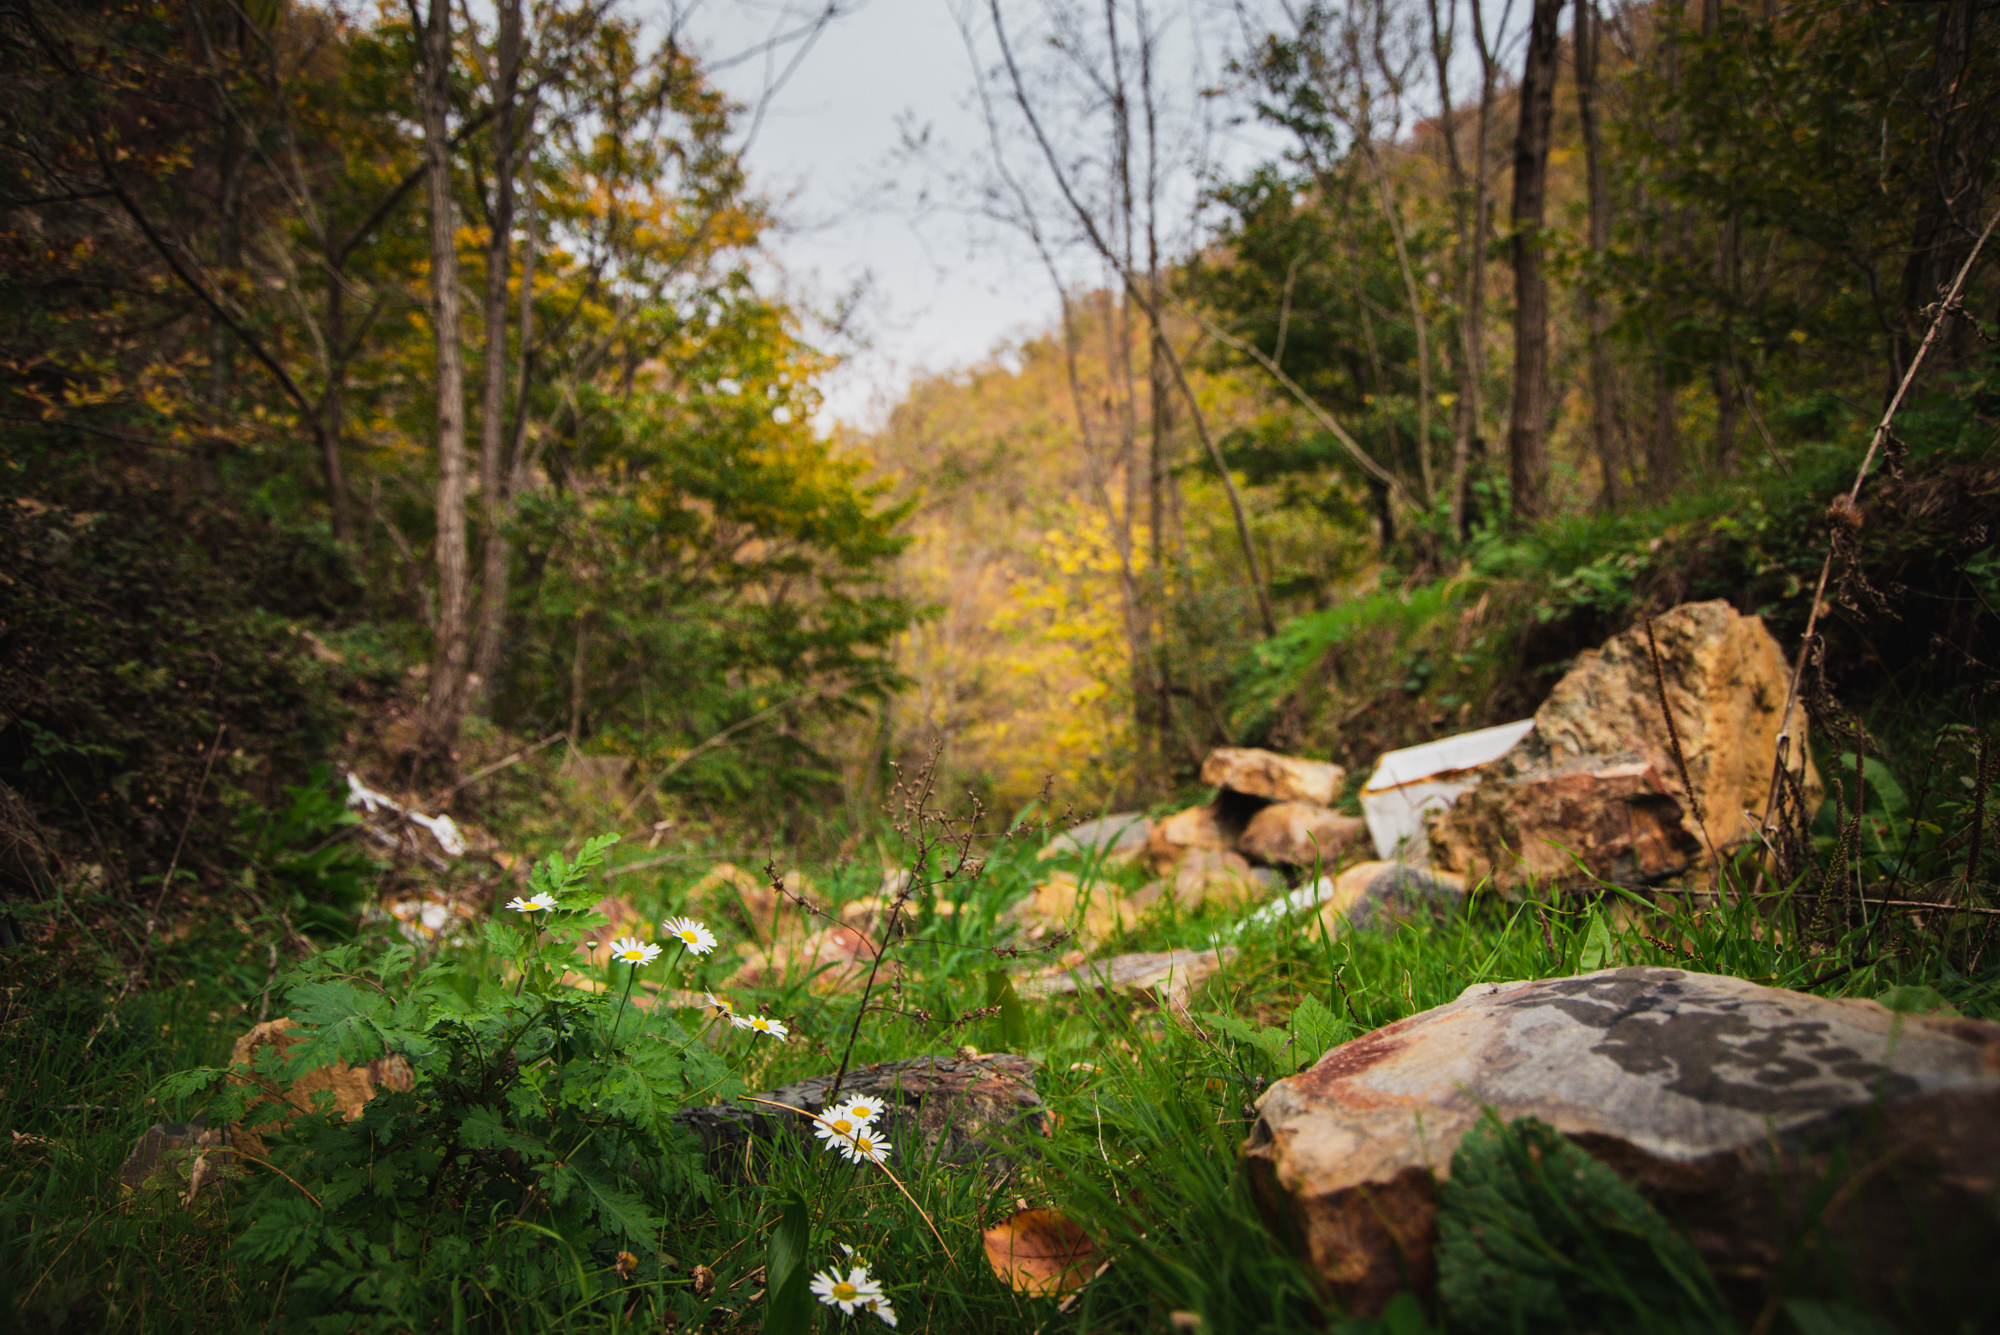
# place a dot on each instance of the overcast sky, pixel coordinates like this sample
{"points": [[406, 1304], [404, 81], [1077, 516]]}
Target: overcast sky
{"points": [[937, 290]]}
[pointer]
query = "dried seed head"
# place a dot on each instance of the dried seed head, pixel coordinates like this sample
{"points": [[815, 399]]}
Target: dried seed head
{"points": [[704, 1281], [1844, 513]]}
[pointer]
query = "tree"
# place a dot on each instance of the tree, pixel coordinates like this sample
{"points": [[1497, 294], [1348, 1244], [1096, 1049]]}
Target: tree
{"points": [[444, 701], [1588, 35], [1527, 428]]}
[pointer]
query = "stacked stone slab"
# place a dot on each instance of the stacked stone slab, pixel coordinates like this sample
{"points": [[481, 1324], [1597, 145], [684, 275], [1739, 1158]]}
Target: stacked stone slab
{"points": [[1269, 810]]}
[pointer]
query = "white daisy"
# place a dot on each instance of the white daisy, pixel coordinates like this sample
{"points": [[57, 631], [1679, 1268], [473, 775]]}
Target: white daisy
{"points": [[538, 902], [864, 1108], [863, 1144], [728, 1011], [846, 1294], [634, 951], [691, 934], [880, 1307], [760, 1024], [836, 1123]]}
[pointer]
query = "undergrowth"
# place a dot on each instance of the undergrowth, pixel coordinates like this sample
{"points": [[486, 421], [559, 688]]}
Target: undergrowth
{"points": [[1147, 1108]]}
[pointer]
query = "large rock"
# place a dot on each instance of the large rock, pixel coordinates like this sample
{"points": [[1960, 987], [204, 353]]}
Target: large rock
{"points": [[1596, 782], [348, 1087], [1381, 894], [1300, 834], [1738, 1110], [834, 959], [1094, 909], [1267, 774]]}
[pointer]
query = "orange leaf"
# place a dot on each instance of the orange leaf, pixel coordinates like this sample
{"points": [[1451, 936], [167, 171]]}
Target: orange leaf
{"points": [[1040, 1252]]}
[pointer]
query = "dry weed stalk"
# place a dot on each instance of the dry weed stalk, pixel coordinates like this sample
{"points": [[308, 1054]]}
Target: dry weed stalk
{"points": [[1844, 512]]}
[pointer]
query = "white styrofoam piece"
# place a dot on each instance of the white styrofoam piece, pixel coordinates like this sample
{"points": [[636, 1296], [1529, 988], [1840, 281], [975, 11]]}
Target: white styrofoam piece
{"points": [[1410, 784]]}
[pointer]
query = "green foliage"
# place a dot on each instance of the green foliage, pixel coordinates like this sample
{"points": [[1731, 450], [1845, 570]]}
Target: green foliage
{"points": [[1535, 1234], [300, 849], [787, 1272], [539, 1114], [1758, 128], [155, 680], [1280, 665]]}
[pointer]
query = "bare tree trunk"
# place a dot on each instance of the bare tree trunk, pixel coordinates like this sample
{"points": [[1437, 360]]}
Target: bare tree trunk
{"points": [[1393, 211], [1482, 227], [1527, 445], [1662, 441], [333, 403], [494, 475], [1603, 406], [1662, 436], [1720, 376], [445, 702], [1115, 251], [1463, 244]]}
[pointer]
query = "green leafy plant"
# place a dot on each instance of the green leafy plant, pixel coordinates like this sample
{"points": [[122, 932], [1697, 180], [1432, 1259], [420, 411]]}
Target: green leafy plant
{"points": [[1535, 1234], [301, 848], [529, 1168]]}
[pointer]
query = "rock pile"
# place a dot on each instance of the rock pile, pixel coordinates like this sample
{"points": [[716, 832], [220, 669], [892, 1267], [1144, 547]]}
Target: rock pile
{"points": [[1270, 810]]}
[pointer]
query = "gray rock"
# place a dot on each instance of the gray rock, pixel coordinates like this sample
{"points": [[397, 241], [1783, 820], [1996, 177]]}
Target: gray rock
{"points": [[957, 1109], [1381, 894], [1739, 1110], [182, 1157], [1120, 837], [1173, 974]]}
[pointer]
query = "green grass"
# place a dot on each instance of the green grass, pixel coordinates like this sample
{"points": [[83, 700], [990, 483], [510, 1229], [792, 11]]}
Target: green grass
{"points": [[1148, 1109]]}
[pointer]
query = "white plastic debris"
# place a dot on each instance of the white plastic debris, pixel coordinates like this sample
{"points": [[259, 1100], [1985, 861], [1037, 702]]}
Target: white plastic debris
{"points": [[442, 828], [1410, 784], [1305, 897]]}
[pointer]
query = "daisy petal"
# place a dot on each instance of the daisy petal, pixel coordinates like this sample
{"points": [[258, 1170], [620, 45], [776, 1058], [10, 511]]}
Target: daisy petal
{"points": [[697, 938], [863, 1108], [633, 951]]}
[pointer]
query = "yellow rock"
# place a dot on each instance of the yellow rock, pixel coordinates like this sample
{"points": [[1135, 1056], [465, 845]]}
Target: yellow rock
{"points": [[350, 1086]]}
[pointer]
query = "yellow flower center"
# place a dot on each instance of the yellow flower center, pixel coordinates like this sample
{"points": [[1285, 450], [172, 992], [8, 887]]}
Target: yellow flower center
{"points": [[864, 1144], [842, 1125], [845, 1292]]}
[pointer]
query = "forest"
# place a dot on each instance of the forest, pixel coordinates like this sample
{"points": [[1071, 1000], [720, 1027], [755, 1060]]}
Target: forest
{"points": [[426, 555]]}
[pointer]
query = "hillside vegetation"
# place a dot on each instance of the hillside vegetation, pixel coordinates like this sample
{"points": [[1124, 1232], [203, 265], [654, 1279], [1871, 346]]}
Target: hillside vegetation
{"points": [[437, 644]]}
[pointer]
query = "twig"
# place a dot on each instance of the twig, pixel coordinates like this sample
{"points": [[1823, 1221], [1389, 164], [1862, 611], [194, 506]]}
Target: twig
{"points": [[493, 768], [928, 782], [279, 1171], [715, 740], [1674, 738], [1928, 904], [1944, 311], [173, 864]]}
